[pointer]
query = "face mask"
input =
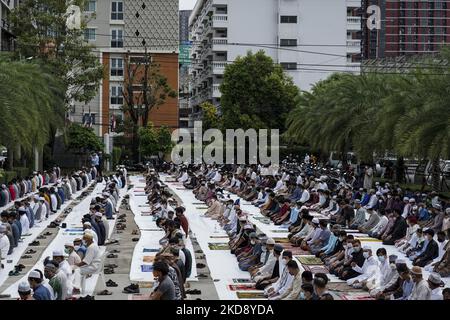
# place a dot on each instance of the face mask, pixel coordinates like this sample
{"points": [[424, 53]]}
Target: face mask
{"points": [[67, 251], [252, 242], [365, 255], [76, 248], [356, 249], [382, 259], [264, 249], [284, 262], [302, 296]]}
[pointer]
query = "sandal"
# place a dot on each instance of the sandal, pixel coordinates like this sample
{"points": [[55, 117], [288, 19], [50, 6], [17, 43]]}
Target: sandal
{"points": [[112, 256], [34, 243], [104, 293], [135, 232], [41, 238], [108, 271], [26, 257], [115, 251], [31, 251], [111, 266], [200, 265], [48, 233], [135, 239], [111, 283], [13, 273]]}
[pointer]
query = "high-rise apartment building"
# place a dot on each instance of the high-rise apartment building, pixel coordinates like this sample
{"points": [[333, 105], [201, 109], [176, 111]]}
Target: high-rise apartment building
{"points": [[121, 31], [311, 39], [184, 59], [6, 36], [408, 27]]}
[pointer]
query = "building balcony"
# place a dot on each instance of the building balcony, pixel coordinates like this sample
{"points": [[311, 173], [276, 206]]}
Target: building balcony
{"points": [[219, 44], [216, 91], [218, 67], [354, 23], [220, 21], [353, 46]]}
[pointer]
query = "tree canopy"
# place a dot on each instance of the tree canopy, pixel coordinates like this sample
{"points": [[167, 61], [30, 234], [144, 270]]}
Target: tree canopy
{"points": [[256, 93], [31, 103], [82, 139]]}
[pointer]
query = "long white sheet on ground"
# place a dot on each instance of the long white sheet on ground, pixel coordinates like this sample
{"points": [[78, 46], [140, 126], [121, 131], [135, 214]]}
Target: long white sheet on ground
{"points": [[150, 235], [222, 264], [73, 221], [34, 233]]}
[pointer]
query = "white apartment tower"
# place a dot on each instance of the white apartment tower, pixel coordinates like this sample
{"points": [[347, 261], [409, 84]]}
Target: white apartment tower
{"points": [[311, 39]]}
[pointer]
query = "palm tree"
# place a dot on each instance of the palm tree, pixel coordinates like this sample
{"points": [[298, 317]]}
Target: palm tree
{"points": [[31, 104]]}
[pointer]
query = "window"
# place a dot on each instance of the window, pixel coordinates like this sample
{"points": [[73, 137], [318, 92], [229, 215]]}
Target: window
{"points": [[288, 42], [117, 10], [91, 6], [116, 95], [89, 34], [289, 65], [117, 38], [117, 67], [288, 19]]}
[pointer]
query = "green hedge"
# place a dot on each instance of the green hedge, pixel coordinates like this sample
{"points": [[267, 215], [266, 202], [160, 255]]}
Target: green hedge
{"points": [[116, 155], [22, 171], [8, 176]]}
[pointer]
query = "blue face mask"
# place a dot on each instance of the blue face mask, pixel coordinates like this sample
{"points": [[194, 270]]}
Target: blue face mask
{"points": [[302, 296]]}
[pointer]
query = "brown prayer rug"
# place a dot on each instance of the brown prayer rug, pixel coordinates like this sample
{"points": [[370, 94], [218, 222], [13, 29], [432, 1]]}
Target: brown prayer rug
{"points": [[250, 295], [218, 246], [309, 260], [315, 269]]}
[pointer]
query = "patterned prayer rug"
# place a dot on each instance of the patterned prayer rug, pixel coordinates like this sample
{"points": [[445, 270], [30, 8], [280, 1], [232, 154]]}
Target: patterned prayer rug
{"points": [[250, 295], [368, 239], [340, 287], [218, 246], [309, 260], [241, 287], [315, 269], [281, 240], [146, 268], [148, 259], [279, 231], [354, 296], [219, 237], [241, 280], [150, 250]]}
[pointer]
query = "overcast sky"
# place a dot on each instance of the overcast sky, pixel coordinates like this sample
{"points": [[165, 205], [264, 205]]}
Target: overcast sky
{"points": [[187, 4]]}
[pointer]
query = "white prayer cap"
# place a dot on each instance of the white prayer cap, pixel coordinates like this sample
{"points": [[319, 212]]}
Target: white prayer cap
{"points": [[447, 210], [435, 278], [98, 214], [24, 286], [68, 244], [270, 241], [87, 223], [34, 274], [412, 200], [58, 253], [378, 193], [36, 197], [315, 221], [41, 199], [367, 248], [405, 199]]}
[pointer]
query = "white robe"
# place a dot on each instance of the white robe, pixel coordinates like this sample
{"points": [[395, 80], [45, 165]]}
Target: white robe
{"points": [[368, 269], [25, 223]]}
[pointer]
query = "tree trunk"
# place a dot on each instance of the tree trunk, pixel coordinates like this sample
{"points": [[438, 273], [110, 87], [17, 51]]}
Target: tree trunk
{"points": [[436, 175], [10, 163]]}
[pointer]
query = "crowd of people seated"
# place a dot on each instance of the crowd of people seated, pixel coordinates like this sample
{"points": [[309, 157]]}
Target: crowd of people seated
{"points": [[62, 274], [173, 263], [321, 214]]}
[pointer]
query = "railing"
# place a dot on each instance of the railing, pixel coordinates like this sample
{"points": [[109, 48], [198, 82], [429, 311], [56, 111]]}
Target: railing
{"points": [[220, 17], [354, 20], [5, 25], [219, 65], [353, 43], [220, 41]]}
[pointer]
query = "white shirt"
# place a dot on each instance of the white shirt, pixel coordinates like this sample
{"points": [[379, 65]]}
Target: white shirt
{"points": [[25, 224], [299, 180], [183, 178], [381, 224], [305, 196], [278, 185], [54, 202], [92, 256], [436, 294], [4, 246]]}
